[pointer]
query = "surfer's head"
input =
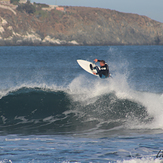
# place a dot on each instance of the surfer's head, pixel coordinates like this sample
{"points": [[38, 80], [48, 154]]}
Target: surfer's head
{"points": [[102, 63]]}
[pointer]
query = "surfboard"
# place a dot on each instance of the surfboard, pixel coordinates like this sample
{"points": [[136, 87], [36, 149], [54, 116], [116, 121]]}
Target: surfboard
{"points": [[86, 66]]}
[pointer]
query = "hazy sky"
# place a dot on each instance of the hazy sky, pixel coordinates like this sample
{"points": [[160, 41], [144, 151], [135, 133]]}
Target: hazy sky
{"points": [[150, 8]]}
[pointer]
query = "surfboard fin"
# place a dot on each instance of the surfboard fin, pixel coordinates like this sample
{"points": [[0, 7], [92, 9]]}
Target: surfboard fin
{"points": [[91, 67]]}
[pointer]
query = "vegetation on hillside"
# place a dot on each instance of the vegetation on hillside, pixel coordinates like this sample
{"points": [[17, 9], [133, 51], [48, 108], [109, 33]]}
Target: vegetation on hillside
{"points": [[35, 8], [39, 13], [15, 2], [41, 5], [27, 7]]}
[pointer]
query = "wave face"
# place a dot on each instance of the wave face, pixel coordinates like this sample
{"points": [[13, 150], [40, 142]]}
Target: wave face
{"points": [[81, 107], [33, 110]]}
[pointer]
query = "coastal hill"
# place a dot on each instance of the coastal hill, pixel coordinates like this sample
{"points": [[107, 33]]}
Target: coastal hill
{"points": [[76, 26]]}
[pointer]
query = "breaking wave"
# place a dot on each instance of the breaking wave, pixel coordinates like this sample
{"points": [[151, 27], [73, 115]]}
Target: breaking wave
{"points": [[82, 106]]}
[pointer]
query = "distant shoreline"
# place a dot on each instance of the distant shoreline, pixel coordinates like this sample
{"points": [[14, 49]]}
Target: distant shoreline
{"points": [[76, 26], [77, 45]]}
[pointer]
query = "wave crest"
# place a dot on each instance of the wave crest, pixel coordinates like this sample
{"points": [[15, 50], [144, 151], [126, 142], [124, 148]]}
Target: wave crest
{"points": [[34, 110]]}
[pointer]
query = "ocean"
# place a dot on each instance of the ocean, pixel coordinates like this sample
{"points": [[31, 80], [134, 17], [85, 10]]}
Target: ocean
{"points": [[52, 111]]}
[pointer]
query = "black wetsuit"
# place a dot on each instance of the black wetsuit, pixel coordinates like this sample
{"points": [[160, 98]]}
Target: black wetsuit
{"points": [[103, 72]]}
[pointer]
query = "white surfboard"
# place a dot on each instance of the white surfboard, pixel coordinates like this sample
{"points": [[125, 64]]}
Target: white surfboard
{"points": [[86, 66]]}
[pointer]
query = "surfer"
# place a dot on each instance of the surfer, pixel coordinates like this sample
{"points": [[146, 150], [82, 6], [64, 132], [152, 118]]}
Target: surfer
{"points": [[103, 71]]}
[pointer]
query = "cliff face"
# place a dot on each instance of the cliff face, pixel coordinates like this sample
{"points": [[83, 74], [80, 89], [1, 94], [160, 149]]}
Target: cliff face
{"points": [[78, 26]]}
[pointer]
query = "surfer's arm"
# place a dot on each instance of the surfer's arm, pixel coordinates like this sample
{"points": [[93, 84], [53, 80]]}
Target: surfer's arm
{"points": [[97, 60]]}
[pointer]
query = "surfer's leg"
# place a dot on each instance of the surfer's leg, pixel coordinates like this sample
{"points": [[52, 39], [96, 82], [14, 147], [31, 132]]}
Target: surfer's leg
{"points": [[96, 68], [103, 76]]}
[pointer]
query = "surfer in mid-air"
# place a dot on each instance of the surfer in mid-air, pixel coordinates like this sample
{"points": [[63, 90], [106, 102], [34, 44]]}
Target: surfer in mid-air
{"points": [[103, 71]]}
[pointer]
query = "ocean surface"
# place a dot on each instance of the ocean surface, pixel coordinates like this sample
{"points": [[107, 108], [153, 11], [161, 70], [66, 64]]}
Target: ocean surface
{"points": [[51, 110]]}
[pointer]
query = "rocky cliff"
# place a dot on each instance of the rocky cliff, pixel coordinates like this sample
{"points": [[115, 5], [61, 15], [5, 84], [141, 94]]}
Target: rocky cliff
{"points": [[78, 26]]}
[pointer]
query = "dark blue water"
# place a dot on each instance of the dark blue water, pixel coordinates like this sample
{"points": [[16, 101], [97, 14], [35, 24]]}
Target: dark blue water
{"points": [[51, 110]]}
